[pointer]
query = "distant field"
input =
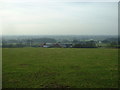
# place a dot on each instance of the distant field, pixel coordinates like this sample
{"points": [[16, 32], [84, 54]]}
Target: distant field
{"points": [[60, 68]]}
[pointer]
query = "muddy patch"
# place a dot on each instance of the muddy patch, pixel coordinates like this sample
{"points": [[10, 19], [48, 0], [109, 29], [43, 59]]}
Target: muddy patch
{"points": [[23, 65], [55, 85], [75, 67]]}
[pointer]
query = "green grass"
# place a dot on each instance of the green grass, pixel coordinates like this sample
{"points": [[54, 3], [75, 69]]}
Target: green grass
{"points": [[60, 68]]}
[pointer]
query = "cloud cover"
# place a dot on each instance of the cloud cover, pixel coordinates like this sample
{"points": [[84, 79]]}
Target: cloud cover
{"points": [[58, 17]]}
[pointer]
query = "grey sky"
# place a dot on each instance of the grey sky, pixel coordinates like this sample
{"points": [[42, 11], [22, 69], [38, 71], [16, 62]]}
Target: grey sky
{"points": [[43, 17]]}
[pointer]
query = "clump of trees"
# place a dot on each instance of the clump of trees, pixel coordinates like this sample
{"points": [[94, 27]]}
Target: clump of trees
{"points": [[87, 44], [113, 45], [112, 42]]}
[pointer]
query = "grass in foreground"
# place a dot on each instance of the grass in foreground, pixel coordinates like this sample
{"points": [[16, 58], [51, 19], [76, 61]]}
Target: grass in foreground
{"points": [[59, 68]]}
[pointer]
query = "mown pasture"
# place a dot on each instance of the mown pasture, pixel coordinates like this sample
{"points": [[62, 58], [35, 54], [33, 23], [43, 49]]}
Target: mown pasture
{"points": [[59, 68]]}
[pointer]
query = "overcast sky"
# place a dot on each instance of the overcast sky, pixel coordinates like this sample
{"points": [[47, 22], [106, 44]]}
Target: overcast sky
{"points": [[59, 17]]}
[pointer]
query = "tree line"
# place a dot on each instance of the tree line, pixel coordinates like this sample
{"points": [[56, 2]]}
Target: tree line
{"points": [[110, 43]]}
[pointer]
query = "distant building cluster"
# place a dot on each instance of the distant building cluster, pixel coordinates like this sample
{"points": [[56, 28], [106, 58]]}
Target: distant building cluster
{"points": [[56, 45]]}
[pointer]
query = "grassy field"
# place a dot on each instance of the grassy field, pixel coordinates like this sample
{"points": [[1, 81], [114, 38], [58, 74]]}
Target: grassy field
{"points": [[59, 68]]}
